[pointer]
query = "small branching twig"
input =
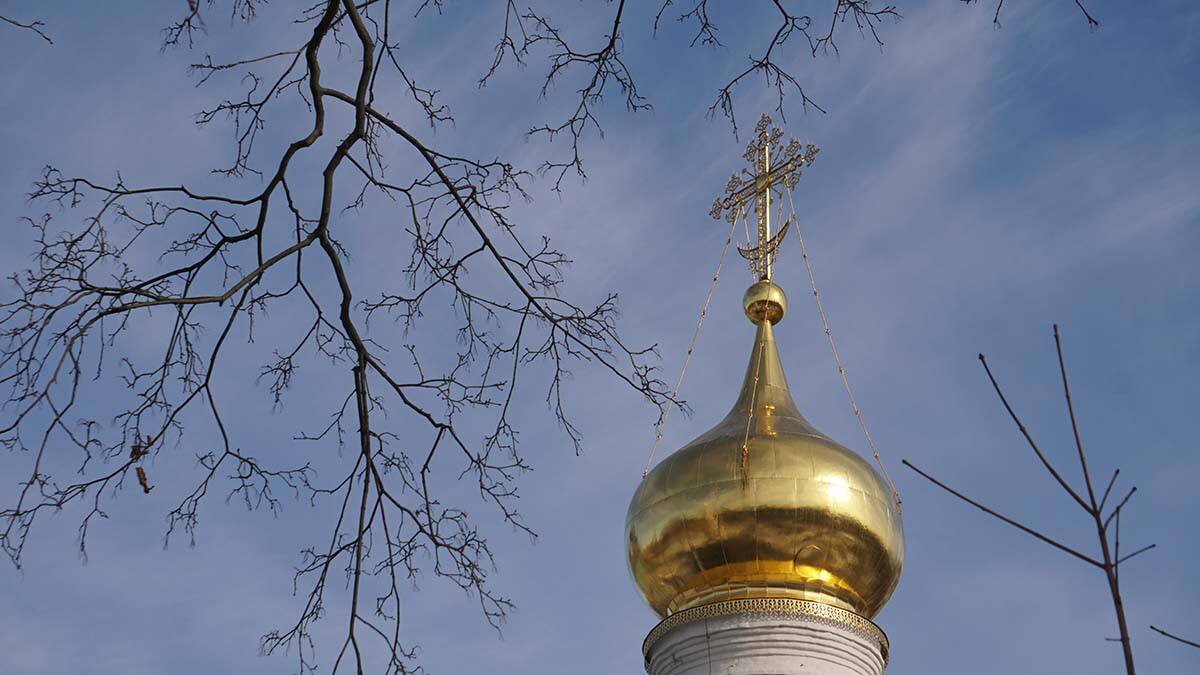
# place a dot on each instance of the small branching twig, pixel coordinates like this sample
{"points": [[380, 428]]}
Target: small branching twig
{"points": [[33, 26], [1107, 521], [1093, 22]]}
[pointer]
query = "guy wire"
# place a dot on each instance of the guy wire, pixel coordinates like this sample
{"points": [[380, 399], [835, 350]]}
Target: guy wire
{"points": [[812, 281], [662, 419]]}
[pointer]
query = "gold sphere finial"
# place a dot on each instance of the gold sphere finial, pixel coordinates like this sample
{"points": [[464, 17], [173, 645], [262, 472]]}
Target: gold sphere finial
{"points": [[764, 301]]}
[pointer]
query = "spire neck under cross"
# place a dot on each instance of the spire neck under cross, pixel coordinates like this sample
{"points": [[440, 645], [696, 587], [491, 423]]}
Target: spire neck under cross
{"points": [[759, 182]]}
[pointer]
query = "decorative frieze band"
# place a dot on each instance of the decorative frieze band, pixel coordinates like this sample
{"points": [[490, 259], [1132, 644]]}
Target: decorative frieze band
{"points": [[772, 608]]}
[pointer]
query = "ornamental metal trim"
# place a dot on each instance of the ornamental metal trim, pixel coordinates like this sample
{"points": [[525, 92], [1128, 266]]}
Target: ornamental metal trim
{"points": [[815, 612]]}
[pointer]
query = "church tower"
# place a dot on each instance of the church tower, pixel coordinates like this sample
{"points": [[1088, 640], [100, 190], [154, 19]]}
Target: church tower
{"points": [[765, 546]]}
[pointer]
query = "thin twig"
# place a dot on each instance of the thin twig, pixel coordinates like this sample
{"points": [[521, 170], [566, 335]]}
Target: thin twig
{"points": [[1175, 637], [1028, 530], [35, 26]]}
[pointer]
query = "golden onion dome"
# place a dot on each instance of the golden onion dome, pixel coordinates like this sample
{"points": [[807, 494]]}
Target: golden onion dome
{"points": [[763, 505]]}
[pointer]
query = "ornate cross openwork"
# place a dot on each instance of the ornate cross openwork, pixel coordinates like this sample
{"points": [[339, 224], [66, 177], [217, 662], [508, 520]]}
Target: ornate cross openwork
{"points": [[759, 182]]}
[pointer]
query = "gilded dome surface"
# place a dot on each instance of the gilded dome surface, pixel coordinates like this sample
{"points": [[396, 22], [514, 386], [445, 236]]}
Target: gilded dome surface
{"points": [[764, 505]]}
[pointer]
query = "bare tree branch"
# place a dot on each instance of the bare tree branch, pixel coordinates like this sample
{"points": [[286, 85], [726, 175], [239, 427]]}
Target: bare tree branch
{"points": [[1024, 528], [1029, 439], [1111, 559], [34, 26], [1092, 22], [1189, 643], [226, 260]]}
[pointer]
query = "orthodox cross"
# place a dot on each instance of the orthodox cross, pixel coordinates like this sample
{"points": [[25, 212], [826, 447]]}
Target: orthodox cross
{"points": [[759, 182]]}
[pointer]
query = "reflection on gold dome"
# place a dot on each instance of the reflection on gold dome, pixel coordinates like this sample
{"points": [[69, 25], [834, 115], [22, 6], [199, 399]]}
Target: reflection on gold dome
{"points": [[764, 505]]}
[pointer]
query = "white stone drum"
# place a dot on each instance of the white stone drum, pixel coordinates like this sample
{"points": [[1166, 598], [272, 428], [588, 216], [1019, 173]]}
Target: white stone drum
{"points": [[766, 636]]}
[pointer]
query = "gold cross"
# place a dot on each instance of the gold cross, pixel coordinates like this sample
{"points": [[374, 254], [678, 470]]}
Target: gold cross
{"points": [[759, 183]]}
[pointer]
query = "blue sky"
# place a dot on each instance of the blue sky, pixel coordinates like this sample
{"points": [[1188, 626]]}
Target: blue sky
{"points": [[974, 186]]}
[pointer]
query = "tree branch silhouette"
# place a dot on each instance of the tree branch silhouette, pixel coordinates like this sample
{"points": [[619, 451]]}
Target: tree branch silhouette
{"points": [[227, 259], [1174, 637], [1093, 22], [1107, 522], [32, 26]]}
